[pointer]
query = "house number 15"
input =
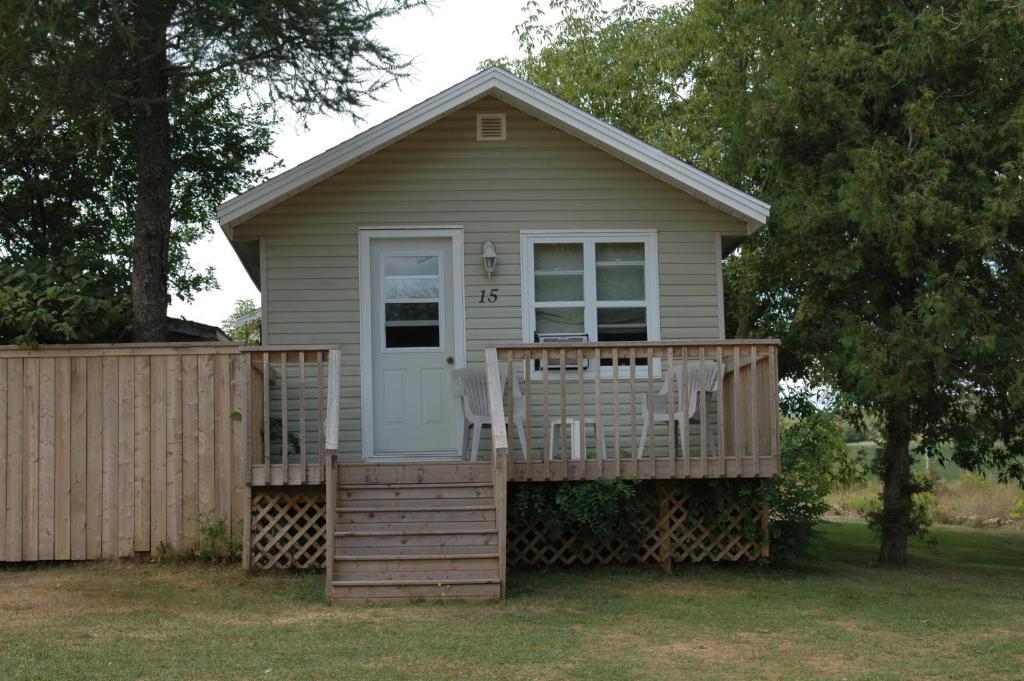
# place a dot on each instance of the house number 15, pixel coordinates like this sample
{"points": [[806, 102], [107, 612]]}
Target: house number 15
{"points": [[488, 296]]}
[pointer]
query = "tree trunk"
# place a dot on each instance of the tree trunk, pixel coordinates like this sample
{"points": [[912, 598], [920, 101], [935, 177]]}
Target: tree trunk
{"points": [[152, 137], [897, 491]]}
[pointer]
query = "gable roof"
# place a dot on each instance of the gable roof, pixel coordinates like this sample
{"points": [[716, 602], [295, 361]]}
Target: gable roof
{"points": [[501, 84]]}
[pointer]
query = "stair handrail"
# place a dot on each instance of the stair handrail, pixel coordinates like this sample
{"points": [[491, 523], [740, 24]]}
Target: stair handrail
{"points": [[499, 456], [330, 456]]}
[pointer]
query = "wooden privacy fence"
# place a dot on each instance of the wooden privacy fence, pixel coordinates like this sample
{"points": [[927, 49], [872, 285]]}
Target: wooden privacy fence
{"points": [[112, 450], [109, 450]]}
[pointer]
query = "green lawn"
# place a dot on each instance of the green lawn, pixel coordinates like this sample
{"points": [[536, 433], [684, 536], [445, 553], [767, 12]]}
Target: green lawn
{"points": [[957, 613]]}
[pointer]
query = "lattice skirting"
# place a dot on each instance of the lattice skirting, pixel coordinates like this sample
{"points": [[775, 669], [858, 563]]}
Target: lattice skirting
{"points": [[287, 529], [672, 530]]}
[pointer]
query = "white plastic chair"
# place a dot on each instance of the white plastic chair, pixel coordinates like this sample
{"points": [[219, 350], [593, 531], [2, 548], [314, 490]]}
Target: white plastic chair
{"points": [[471, 385], [654, 407]]}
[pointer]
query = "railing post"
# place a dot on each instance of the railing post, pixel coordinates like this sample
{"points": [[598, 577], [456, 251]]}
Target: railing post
{"points": [[499, 457], [330, 455]]}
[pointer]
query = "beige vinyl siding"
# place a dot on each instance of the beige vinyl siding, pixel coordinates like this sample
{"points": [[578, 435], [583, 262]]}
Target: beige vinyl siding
{"points": [[540, 178]]}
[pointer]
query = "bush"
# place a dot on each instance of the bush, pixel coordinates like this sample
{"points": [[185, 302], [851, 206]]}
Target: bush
{"points": [[814, 458], [213, 544]]}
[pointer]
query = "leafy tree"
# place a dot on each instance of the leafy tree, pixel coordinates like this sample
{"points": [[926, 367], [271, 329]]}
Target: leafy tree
{"points": [[889, 138], [244, 323], [159, 76]]}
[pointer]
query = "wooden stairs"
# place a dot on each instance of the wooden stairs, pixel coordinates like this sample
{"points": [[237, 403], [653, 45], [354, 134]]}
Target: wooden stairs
{"points": [[424, 531]]}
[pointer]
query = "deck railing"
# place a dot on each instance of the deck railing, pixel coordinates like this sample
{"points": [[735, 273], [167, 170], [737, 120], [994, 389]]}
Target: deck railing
{"points": [[660, 409], [294, 401]]}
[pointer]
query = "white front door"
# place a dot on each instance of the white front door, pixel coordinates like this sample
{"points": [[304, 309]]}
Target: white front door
{"points": [[414, 348]]}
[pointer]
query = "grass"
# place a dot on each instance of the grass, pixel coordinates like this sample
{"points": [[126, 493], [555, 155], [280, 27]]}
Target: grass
{"points": [[956, 613]]}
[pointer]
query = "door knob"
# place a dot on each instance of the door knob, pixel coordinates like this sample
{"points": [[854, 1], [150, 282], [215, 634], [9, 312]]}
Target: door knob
{"points": [[450, 360]]}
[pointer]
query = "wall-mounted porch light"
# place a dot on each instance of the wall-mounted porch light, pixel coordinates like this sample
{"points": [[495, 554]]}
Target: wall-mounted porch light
{"points": [[490, 256]]}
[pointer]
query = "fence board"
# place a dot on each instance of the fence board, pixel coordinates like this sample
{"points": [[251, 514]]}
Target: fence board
{"points": [[222, 436], [205, 451], [189, 448], [174, 453], [110, 428], [30, 474], [53, 474], [61, 459], [77, 435], [15, 460], [158, 450], [94, 455], [125, 455], [141, 472]]}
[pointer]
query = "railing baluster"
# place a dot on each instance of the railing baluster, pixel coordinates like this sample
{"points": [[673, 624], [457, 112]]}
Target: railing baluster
{"points": [[773, 405], [562, 411], [632, 400], [547, 446], [581, 396], [266, 418], [320, 415], [599, 443], [670, 401], [685, 411], [302, 413], [650, 407], [702, 405], [284, 416], [753, 406], [616, 410], [720, 415], [737, 449], [527, 408], [510, 406]]}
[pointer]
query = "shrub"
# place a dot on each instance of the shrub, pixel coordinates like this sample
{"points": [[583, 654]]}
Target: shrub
{"points": [[814, 457], [214, 544]]}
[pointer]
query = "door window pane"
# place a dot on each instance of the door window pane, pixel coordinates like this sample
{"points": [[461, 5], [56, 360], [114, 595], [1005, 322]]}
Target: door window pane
{"points": [[620, 271], [412, 277], [558, 272], [412, 325]]}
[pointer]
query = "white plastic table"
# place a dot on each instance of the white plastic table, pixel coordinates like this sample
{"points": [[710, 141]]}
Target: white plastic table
{"points": [[577, 437]]}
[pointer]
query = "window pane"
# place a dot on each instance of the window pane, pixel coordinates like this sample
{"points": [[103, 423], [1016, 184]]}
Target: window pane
{"points": [[558, 288], [411, 325], [560, 320], [411, 276], [620, 271], [558, 272], [622, 324]]}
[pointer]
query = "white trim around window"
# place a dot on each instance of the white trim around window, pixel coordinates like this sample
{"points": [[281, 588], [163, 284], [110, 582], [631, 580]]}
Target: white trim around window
{"points": [[590, 304]]}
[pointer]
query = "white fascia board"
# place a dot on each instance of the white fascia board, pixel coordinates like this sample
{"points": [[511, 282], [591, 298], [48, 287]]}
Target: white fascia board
{"points": [[523, 95]]}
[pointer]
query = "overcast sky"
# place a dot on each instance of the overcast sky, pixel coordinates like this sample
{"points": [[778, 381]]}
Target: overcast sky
{"points": [[447, 43]]}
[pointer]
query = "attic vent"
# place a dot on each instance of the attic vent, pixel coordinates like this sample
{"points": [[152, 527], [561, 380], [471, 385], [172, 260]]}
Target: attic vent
{"points": [[490, 127]]}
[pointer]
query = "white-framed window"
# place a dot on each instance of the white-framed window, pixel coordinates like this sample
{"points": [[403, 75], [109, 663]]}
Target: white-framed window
{"points": [[603, 284]]}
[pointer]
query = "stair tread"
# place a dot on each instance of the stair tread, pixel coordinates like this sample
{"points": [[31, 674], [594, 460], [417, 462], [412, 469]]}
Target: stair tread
{"points": [[394, 485], [414, 509], [412, 582], [392, 533], [415, 556]]}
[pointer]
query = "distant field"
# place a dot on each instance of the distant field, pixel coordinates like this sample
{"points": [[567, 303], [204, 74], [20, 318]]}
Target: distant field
{"points": [[948, 471], [956, 613], [960, 497]]}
